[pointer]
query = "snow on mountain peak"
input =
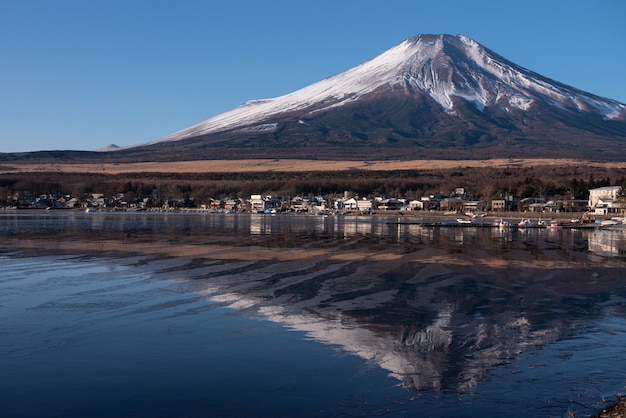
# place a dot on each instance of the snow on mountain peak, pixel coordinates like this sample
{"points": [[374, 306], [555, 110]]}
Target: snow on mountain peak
{"points": [[442, 66]]}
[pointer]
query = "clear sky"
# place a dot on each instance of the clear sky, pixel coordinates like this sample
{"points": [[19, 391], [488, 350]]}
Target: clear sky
{"points": [[80, 74]]}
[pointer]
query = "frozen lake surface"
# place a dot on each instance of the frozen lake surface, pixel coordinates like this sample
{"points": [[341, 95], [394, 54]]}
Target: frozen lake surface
{"points": [[145, 315]]}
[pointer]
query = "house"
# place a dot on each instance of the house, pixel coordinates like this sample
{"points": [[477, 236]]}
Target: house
{"points": [[391, 204], [363, 204], [257, 203], [215, 204], [308, 204], [261, 203], [569, 204], [300, 204], [452, 204], [606, 206], [73, 202], [416, 205], [532, 204], [97, 200], [232, 204], [535, 207], [67, 201], [507, 204], [553, 206], [579, 205], [339, 204], [498, 205], [432, 202], [351, 204], [603, 200], [474, 206]]}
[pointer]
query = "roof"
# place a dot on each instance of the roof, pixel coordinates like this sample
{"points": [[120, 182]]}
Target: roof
{"points": [[606, 188]]}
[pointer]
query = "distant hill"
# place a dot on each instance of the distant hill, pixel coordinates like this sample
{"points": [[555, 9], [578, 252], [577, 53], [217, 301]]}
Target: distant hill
{"points": [[108, 147]]}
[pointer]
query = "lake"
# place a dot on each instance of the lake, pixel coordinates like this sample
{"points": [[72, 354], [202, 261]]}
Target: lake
{"points": [[192, 315]]}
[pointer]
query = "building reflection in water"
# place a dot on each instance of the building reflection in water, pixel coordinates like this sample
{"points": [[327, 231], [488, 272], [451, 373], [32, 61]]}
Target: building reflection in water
{"points": [[608, 242]]}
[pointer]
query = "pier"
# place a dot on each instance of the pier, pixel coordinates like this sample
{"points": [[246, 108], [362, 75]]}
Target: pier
{"points": [[488, 224]]}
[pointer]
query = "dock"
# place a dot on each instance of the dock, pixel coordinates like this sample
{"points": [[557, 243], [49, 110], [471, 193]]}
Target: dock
{"points": [[486, 224]]}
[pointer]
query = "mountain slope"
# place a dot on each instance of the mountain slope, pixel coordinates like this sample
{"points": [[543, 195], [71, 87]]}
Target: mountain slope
{"points": [[429, 96]]}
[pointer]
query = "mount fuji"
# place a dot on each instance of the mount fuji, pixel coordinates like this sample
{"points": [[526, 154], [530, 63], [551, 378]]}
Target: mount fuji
{"points": [[430, 96]]}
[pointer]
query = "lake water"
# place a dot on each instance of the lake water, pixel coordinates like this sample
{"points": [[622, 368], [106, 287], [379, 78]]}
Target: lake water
{"points": [[193, 315]]}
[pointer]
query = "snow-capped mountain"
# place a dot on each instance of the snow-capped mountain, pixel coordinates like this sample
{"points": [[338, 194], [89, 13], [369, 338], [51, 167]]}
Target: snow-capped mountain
{"points": [[429, 92]]}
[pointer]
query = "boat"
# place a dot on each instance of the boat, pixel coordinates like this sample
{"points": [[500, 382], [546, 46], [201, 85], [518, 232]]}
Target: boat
{"points": [[524, 223], [463, 221], [552, 225], [501, 224]]}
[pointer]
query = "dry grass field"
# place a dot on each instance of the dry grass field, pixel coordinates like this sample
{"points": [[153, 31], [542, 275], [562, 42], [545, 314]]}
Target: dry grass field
{"points": [[288, 165]]}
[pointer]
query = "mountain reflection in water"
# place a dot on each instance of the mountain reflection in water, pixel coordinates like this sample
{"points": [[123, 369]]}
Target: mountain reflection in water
{"points": [[438, 308]]}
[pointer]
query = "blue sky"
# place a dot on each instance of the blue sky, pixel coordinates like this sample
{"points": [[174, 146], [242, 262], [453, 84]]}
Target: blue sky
{"points": [[80, 74]]}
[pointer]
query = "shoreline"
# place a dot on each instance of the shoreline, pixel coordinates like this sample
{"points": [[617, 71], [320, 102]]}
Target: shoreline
{"points": [[379, 213]]}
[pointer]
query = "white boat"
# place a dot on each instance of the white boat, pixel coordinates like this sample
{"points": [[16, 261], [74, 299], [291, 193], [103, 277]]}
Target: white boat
{"points": [[524, 223], [501, 224], [463, 221]]}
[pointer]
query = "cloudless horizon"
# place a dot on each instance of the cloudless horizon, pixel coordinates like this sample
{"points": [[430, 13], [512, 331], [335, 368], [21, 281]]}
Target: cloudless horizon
{"points": [[79, 75]]}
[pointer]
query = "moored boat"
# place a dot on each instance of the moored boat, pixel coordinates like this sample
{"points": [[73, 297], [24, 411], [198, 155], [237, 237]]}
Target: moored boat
{"points": [[501, 223], [552, 225]]}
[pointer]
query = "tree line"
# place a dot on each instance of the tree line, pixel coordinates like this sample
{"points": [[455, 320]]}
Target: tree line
{"points": [[482, 183]]}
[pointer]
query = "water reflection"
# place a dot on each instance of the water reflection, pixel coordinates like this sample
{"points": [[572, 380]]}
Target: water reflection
{"points": [[608, 243], [432, 321], [438, 308]]}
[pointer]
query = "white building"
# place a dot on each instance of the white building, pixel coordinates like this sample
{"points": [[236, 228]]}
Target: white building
{"points": [[362, 204], [260, 203], [416, 205], [602, 201]]}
